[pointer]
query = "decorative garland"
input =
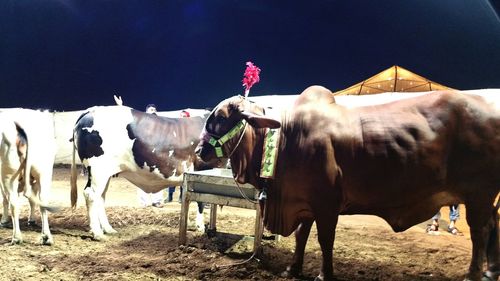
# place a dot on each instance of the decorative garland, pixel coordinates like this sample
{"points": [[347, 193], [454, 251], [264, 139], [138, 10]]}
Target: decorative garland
{"points": [[270, 153]]}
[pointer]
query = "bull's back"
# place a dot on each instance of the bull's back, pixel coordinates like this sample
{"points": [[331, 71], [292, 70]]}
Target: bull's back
{"points": [[423, 152], [315, 94]]}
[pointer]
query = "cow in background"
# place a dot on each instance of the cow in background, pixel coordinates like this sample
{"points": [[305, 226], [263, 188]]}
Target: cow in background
{"points": [[27, 152], [150, 151], [401, 161]]}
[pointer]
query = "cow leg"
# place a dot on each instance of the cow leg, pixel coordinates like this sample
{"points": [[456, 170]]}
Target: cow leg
{"points": [[200, 220], [492, 249], [43, 186], [95, 226], [11, 184], [5, 220], [31, 218], [326, 236], [103, 217], [92, 199], [478, 216], [301, 236]]}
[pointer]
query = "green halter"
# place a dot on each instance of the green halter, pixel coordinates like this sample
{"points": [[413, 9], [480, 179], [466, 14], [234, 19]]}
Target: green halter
{"points": [[217, 144]]}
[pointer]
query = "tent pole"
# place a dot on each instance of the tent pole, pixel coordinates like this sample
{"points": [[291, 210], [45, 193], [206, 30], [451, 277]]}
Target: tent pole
{"points": [[395, 78]]}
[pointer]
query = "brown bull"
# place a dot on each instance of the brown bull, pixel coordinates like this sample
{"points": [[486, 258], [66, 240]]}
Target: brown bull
{"points": [[401, 161]]}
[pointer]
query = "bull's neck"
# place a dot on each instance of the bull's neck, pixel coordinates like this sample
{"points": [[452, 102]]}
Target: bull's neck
{"points": [[247, 160]]}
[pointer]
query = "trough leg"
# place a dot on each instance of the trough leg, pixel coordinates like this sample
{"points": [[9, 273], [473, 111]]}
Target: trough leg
{"points": [[184, 214], [259, 229], [213, 218]]}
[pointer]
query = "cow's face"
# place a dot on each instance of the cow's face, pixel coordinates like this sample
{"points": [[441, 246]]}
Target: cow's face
{"points": [[226, 124]]}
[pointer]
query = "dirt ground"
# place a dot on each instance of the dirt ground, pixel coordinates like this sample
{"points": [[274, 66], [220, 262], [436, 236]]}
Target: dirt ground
{"points": [[146, 246]]}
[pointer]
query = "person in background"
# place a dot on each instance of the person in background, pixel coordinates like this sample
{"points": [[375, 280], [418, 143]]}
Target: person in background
{"points": [[150, 199], [171, 189], [433, 228]]}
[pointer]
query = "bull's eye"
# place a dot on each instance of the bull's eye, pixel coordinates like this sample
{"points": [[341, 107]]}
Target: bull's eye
{"points": [[217, 124], [220, 119]]}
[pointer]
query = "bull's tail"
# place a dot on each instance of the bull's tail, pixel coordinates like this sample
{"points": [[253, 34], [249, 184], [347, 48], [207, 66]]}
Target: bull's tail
{"points": [[23, 150], [74, 187]]}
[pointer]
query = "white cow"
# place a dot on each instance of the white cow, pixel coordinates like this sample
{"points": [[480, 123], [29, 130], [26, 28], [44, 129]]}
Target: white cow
{"points": [[150, 151], [27, 148]]}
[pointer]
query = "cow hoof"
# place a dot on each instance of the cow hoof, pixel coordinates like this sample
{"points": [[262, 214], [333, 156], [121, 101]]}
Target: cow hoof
{"points": [[490, 276], [290, 272], [16, 241], [109, 230], [32, 223], [487, 276], [286, 274], [322, 277], [200, 225], [200, 228], [98, 236], [46, 240]]}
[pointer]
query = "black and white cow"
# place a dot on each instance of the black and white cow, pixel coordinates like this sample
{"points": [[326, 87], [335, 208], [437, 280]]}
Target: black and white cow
{"points": [[27, 147], [150, 151]]}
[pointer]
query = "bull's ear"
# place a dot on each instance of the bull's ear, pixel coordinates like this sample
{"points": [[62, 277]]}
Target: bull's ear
{"points": [[259, 121]]}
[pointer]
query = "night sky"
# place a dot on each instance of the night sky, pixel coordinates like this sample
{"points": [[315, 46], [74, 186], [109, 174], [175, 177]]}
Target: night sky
{"points": [[70, 55]]}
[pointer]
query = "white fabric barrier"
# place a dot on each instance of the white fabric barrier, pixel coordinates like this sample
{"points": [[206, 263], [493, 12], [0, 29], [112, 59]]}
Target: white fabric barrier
{"points": [[65, 121], [63, 127]]}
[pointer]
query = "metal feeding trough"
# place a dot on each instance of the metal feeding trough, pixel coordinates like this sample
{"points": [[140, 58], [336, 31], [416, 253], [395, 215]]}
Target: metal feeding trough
{"points": [[218, 182], [217, 187]]}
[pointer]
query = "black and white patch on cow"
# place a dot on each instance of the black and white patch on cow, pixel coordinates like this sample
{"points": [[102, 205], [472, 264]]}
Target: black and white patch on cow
{"points": [[150, 151]]}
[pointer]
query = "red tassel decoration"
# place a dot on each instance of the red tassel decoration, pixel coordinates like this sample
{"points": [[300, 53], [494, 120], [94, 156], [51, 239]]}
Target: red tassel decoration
{"points": [[250, 77]]}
